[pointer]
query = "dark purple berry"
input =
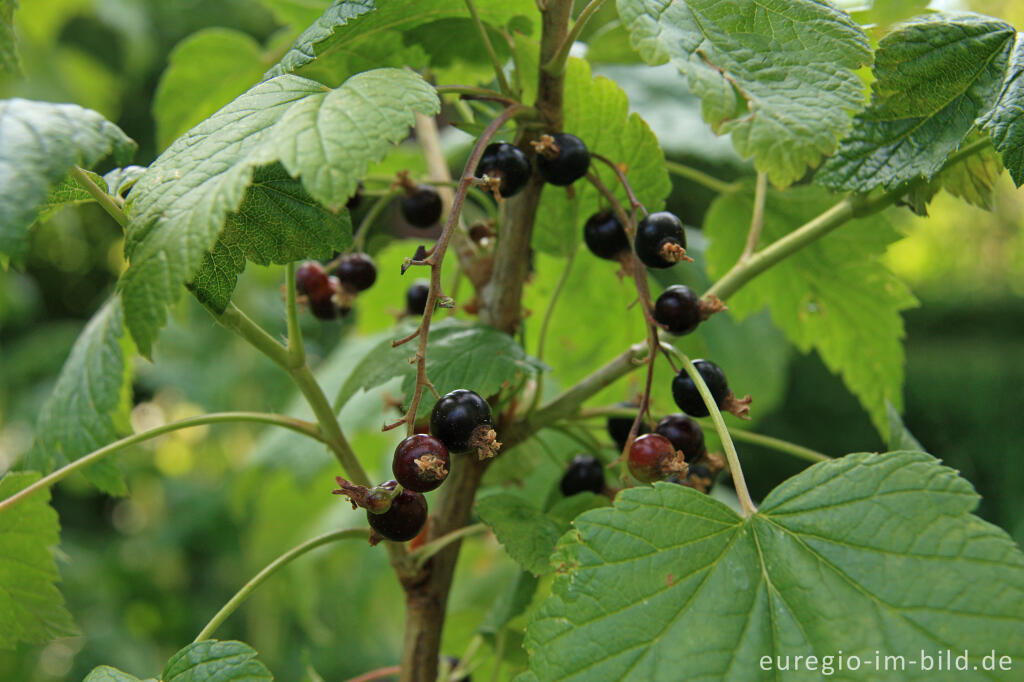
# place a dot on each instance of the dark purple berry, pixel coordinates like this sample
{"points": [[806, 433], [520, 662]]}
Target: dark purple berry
{"points": [[456, 418], [506, 163], [416, 297], [585, 472], [618, 427], [422, 207], [685, 392], [421, 463], [605, 236], [657, 235], [311, 280], [648, 455], [403, 520], [685, 435], [357, 272], [569, 164], [678, 308], [356, 199], [324, 308]]}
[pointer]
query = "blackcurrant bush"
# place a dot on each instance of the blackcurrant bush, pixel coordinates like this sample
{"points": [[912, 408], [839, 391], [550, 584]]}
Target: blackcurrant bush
{"points": [[356, 199], [651, 458], [311, 280], [403, 520], [585, 472], [660, 240], [605, 236], [685, 435], [566, 166], [618, 427], [678, 308], [459, 418], [506, 163], [421, 207], [416, 297], [421, 463], [685, 392], [357, 272]]}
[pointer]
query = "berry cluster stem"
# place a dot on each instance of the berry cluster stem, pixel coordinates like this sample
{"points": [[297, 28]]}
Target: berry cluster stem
{"points": [[295, 349]]}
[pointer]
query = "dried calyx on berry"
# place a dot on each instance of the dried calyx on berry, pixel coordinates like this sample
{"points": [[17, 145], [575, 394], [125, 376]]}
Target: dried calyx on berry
{"points": [[685, 435], [507, 164], [377, 499], [421, 206], [701, 474], [416, 297], [605, 236], [619, 427], [421, 463], [585, 473], [562, 159], [403, 520], [660, 240], [356, 272], [689, 400], [462, 421], [652, 458]]}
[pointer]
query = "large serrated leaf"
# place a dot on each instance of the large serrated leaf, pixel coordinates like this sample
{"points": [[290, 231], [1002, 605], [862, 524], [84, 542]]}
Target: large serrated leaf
{"points": [[325, 137], [31, 608], [916, 118], [39, 143], [90, 404], [834, 296], [210, 659], [864, 554], [777, 74], [1005, 121]]}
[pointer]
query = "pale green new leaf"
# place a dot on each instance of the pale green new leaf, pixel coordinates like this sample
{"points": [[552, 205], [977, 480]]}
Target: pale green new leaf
{"points": [[776, 74], [917, 118], [861, 554], [39, 143], [31, 608], [1005, 121], [325, 137], [9, 60], [210, 659], [105, 673], [71, 192], [834, 296]]}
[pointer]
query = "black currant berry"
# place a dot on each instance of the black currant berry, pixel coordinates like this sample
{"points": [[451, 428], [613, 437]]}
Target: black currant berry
{"points": [[678, 308], [403, 520], [605, 236], [325, 309], [660, 240], [421, 463], [458, 418], [585, 472], [357, 272], [569, 164], [421, 207], [416, 297], [652, 458], [685, 435], [685, 392], [356, 199], [311, 280], [506, 163], [618, 427]]}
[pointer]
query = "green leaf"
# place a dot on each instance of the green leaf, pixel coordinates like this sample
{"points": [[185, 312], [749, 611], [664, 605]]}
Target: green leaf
{"points": [[325, 137], [347, 25], [834, 296], [916, 119], [91, 403], [39, 143], [9, 60], [459, 355], [281, 223], [31, 608], [862, 554], [206, 70], [777, 75], [900, 437], [213, 660], [1005, 121], [70, 192], [105, 673], [972, 179]]}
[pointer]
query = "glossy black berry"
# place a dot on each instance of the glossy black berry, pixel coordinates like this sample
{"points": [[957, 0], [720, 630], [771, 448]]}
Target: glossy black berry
{"points": [[506, 163], [618, 427], [685, 392], [457, 416], [422, 207], [605, 236], [569, 164], [416, 297], [585, 472], [403, 520], [685, 435], [678, 308], [357, 272], [311, 280], [356, 199], [421, 463], [656, 233]]}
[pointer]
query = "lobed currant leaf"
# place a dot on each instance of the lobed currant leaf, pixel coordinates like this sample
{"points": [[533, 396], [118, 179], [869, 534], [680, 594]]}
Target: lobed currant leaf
{"points": [[1004, 122], [228, 661]]}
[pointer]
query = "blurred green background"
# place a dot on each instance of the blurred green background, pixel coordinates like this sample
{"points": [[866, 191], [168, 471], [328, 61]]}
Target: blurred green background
{"points": [[209, 507]]}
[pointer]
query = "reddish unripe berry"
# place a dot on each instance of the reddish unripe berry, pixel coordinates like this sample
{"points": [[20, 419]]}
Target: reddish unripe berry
{"points": [[311, 280], [648, 456]]}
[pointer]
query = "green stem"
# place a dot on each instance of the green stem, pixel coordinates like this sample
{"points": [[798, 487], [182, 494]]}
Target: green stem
{"points": [[499, 72], [256, 336], [552, 301], [474, 92], [757, 218], [371, 215], [295, 350], [298, 425], [101, 197], [419, 556], [270, 569], [701, 178], [798, 451], [556, 65]]}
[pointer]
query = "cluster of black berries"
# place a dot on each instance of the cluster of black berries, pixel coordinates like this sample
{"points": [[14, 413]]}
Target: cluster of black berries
{"points": [[460, 422], [675, 452], [331, 296]]}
